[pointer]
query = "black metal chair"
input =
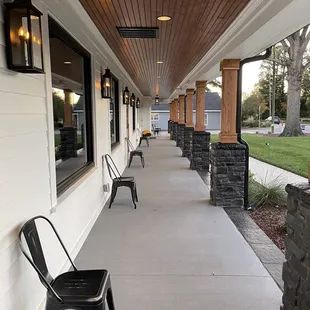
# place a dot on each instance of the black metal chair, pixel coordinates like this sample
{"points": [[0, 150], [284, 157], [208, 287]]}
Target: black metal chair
{"points": [[77, 289], [119, 181], [134, 152]]}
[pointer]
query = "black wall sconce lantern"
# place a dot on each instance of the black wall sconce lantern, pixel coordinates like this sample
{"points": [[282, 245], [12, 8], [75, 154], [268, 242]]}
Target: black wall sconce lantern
{"points": [[138, 103], [157, 100], [106, 84], [23, 33], [132, 100], [126, 96]]}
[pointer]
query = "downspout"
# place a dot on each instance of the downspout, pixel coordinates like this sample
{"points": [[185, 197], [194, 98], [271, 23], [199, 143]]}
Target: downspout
{"points": [[238, 121]]}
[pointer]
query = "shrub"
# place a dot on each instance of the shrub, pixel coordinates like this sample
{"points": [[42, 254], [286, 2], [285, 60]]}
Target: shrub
{"points": [[250, 122], [265, 124], [266, 194], [306, 121]]}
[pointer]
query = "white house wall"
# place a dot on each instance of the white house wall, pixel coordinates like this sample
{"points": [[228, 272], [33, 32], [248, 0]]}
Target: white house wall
{"points": [[27, 163]]}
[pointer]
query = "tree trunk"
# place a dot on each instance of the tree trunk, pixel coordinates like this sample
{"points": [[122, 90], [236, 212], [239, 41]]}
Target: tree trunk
{"points": [[295, 69], [292, 126]]}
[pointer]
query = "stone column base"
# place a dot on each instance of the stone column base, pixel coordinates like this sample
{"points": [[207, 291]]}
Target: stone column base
{"points": [[296, 271], [200, 151], [68, 142], [227, 174], [180, 140], [169, 126], [175, 131], [188, 142]]}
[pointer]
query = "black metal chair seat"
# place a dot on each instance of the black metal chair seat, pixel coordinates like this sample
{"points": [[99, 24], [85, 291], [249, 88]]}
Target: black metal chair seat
{"points": [[134, 152], [83, 287], [119, 181], [77, 289]]}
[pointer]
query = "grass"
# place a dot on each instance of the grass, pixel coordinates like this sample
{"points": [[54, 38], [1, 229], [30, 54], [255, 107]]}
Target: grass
{"points": [[291, 154], [57, 139]]}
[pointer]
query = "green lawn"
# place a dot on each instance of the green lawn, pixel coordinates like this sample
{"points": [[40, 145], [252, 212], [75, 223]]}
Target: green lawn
{"points": [[291, 154], [57, 139]]}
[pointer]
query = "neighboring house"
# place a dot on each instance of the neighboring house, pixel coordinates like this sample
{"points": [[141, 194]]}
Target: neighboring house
{"points": [[160, 113], [78, 113]]}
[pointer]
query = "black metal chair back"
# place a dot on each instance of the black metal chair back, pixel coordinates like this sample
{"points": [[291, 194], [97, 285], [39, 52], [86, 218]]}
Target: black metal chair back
{"points": [[129, 144], [37, 259], [113, 171]]}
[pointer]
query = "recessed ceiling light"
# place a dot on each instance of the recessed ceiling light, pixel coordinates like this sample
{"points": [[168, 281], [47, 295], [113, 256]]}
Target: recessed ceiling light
{"points": [[67, 62], [159, 62], [164, 18]]}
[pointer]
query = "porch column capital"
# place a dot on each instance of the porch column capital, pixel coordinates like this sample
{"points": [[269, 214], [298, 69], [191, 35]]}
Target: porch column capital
{"points": [[181, 109], [189, 107], [230, 64], [229, 68], [200, 105]]}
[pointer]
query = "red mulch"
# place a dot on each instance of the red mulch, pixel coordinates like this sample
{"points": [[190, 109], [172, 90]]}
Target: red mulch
{"points": [[275, 135], [272, 221]]}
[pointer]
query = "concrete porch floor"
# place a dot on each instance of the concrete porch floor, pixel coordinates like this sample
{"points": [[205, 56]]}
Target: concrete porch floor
{"points": [[175, 251]]}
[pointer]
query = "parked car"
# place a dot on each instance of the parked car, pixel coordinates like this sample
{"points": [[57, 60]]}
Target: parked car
{"points": [[276, 119]]}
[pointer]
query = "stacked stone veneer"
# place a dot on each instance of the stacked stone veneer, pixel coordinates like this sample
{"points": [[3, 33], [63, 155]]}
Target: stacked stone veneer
{"points": [[296, 271], [200, 159], [180, 137], [68, 142], [188, 142], [169, 126], [175, 131], [227, 174]]}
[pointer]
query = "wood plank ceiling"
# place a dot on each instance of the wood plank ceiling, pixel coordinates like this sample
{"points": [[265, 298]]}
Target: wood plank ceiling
{"points": [[195, 26]]}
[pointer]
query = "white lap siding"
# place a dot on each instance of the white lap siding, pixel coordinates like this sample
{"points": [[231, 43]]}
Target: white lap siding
{"points": [[27, 164]]}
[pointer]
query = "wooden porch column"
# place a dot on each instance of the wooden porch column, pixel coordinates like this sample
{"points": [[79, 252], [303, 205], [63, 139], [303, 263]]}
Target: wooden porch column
{"points": [[229, 68], [189, 107], [170, 111], [176, 110], [200, 105], [69, 100], [181, 109]]}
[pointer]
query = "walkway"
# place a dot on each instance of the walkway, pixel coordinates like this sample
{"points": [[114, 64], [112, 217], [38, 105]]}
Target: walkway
{"points": [[265, 173], [175, 252]]}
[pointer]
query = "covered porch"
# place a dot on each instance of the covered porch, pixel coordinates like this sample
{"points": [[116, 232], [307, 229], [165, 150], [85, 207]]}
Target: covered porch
{"points": [[175, 251]]}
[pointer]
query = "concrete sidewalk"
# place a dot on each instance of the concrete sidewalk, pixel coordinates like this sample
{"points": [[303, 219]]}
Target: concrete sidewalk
{"points": [[265, 173], [176, 251]]}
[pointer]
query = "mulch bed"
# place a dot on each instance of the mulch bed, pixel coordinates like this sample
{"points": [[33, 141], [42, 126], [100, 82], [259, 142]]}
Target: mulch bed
{"points": [[275, 135], [272, 221]]}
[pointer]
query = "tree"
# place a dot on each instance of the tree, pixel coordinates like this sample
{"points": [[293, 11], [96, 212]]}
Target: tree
{"points": [[296, 63], [214, 84], [58, 108], [251, 104], [265, 84]]}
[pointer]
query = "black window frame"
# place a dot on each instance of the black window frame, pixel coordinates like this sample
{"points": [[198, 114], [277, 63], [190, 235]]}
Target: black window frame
{"points": [[57, 31], [116, 95]]}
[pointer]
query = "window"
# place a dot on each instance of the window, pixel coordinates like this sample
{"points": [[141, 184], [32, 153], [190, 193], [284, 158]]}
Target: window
{"points": [[206, 119], [114, 113], [134, 118], [155, 116], [72, 107]]}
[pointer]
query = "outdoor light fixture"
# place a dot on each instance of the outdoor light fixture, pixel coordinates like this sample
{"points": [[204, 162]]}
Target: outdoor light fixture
{"points": [[132, 100], [23, 35], [156, 100], [106, 84], [138, 103], [126, 96], [159, 62]]}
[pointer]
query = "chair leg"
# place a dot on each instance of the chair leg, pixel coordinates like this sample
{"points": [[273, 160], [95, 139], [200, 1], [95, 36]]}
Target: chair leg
{"points": [[136, 194], [147, 142], [109, 295], [133, 196], [113, 194], [130, 159], [140, 141], [142, 160]]}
